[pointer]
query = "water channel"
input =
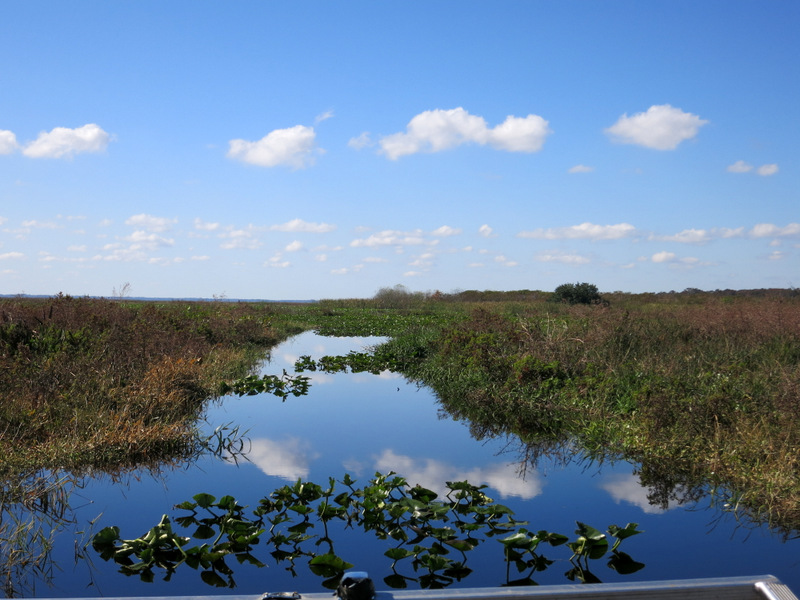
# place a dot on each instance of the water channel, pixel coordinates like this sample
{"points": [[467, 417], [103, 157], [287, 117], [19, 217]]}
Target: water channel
{"points": [[363, 423]]}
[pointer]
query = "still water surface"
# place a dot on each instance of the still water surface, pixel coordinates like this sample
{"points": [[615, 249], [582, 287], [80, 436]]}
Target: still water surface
{"points": [[362, 423]]}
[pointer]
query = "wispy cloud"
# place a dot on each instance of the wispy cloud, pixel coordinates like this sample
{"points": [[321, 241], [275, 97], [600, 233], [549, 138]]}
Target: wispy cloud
{"points": [[438, 130], [151, 223], [661, 127], [298, 226], [390, 237], [567, 258], [584, 231], [741, 166], [580, 169]]}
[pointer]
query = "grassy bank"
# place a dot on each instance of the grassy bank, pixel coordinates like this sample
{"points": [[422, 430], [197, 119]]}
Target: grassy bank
{"points": [[93, 381], [700, 389]]}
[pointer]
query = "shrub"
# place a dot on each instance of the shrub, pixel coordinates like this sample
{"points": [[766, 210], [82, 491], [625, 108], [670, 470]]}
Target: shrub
{"points": [[577, 293]]}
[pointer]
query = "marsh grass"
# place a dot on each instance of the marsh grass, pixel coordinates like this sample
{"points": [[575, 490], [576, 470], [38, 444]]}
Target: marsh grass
{"points": [[701, 390], [94, 381]]}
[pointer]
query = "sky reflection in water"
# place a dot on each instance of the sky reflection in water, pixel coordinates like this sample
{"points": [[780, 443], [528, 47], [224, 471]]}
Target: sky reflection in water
{"points": [[360, 424]]}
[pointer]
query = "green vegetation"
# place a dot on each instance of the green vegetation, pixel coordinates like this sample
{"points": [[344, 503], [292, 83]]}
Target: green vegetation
{"points": [[100, 382], [577, 293], [431, 535], [699, 389]]}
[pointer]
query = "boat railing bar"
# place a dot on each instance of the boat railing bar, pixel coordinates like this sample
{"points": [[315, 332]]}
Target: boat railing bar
{"points": [[764, 587]]}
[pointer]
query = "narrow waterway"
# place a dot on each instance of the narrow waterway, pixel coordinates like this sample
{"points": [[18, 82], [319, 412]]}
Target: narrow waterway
{"points": [[362, 424]]}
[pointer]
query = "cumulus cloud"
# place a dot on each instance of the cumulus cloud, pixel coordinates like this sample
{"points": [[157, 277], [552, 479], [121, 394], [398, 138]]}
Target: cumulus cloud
{"points": [[288, 459], [437, 130], [294, 246], [485, 231], [580, 169], [770, 230], [291, 147], [767, 170], [446, 231], [584, 231], [151, 223], [661, 127], [298, 225], [662, 257], [11, 255], [63, 142], [8, 142], [430, 473], [626, 488]]}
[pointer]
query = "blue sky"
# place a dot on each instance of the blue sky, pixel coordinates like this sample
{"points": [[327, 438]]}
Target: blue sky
{"points": [[293, 150]]}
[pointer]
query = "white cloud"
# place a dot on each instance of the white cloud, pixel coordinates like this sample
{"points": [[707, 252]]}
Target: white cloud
{"points": [[362, 141], [151, 223], [687, 236], [204, 226], [445, 231], [485, 231], [239, 238], [148, 241], [770, 230], [742, 167], [739, 167], [8, 142], [506, 262], [580, 169], [294, 246], [566, 258], [41, 224], [626, 488], [292, 147], [437, 130], [766, 170], [63, 142], [288, 459], [390, 238], [298, 225], [662, 127], [586, 231], [277, 262], [431, 473], [11, 255], [660, 257], [328, 114]]}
